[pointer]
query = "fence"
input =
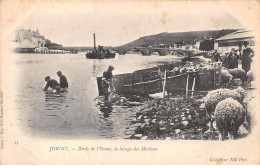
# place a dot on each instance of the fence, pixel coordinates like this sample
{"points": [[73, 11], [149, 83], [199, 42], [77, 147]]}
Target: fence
{"points": [[150, 81]]}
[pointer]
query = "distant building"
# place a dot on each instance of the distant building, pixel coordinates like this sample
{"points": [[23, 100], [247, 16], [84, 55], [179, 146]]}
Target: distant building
{"points": [[29, 40], [197, 44], [234, 40], [179, 45]]}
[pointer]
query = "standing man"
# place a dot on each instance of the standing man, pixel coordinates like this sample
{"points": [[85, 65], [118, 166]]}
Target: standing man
{"points": [[232, 59], [216, 57], [107, 80], [63, 80], [248, 53], [52, 84]]}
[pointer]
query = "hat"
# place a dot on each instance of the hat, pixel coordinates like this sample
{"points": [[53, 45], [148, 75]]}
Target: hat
{"points": [[111, 67], [47, 78]]}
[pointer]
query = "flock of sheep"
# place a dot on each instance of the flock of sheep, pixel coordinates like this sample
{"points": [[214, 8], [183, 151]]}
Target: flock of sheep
{"points": [[230, 108], [228, 75]]}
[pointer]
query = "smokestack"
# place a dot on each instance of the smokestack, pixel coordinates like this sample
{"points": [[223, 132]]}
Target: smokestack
{"points": [[94, 41]]}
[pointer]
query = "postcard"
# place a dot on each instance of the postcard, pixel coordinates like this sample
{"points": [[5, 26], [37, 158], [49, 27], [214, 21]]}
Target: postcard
{"points": [[129, 82]]}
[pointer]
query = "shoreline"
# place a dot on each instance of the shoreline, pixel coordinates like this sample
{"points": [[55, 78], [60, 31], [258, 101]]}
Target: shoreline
{"points": [[176, 117]]}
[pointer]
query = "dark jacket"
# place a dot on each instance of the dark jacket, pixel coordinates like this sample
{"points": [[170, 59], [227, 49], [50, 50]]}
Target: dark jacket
{"points": [[52, 84], [216, 57], [246, 59], [63, 82], [107, 75], [233, 60]]}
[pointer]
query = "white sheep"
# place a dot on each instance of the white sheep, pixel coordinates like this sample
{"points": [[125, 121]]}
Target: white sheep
{"points": [[225, 78], [229, 114], [238, 73], [250, 103], [250, 77], [215, 96]]}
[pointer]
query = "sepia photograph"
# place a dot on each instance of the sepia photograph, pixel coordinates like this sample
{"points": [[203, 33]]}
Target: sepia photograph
{"points": [[120, 78]]}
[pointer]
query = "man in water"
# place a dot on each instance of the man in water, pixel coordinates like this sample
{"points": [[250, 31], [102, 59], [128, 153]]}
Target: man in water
{"points": [[63, 80], [52, 84], [107, 80], [247, 55]]}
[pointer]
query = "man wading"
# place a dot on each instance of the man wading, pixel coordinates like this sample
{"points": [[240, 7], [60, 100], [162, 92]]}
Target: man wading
{"points": [[63, 81], [52, 84], [107, 81]]}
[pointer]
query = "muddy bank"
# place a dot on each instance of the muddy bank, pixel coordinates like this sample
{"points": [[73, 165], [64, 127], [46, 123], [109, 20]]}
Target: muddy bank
{"points": [[174, 118]]}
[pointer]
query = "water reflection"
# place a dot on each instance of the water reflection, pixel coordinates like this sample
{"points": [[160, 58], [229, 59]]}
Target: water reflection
{"points": [[97, 68], [106, 109], [55, 101]]}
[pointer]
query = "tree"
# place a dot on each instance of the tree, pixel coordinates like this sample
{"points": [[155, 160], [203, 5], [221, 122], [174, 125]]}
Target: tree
{"points": [[47, 41]]}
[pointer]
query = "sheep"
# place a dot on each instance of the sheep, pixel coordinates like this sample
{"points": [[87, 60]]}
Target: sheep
{"points": [[250, 77], [229, 114], [225, 78], [249, 103], [238, 73], [215, 96]]}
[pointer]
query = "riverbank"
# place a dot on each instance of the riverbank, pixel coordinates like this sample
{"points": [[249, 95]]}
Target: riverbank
{"points": [[174, 118], [178, 117]]}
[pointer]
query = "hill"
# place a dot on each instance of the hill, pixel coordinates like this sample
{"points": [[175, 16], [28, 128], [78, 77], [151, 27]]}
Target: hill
{"points": [[171, 38]]}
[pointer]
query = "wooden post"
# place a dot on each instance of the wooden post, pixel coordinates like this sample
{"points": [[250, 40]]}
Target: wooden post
{"points": [[187, 86], [214, 80], [193, 86], [164, 83]]}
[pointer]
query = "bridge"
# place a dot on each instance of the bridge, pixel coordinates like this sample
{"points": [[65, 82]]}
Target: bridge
{"points": [[147, 51]]}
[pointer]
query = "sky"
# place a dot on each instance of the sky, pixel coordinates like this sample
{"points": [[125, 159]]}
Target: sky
{"points": [[119, 22]]}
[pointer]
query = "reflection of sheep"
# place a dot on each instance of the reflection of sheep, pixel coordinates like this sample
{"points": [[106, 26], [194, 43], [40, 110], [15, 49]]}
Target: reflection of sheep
{"points": [[229, 115], [249, 77]]}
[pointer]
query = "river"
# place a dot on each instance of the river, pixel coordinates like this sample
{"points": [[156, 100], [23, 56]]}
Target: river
{"points": [[77, 113]]}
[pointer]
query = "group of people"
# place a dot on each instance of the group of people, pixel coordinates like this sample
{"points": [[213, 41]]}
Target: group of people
{"points": [[55, 85], [231, 61]]}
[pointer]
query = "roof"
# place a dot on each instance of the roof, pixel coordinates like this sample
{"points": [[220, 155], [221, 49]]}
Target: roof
{"points": [[240, 34], [28, 34]]}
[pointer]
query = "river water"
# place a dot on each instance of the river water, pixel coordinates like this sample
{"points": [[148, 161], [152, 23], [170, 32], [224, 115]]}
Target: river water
{"points": [[77, 113]]}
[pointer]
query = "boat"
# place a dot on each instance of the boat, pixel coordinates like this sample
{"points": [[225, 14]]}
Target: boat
{"points": [[150, 81], [100, 53]]}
